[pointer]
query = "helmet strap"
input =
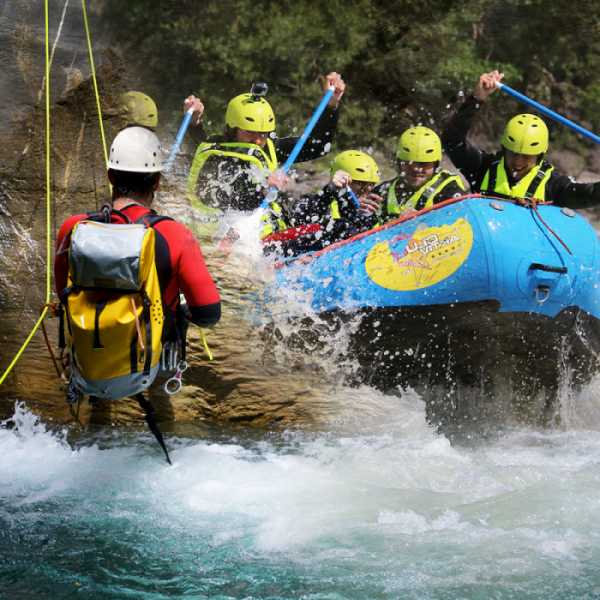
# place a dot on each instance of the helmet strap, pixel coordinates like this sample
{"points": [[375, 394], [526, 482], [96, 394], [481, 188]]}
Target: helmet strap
{"points": [[231, 134]]}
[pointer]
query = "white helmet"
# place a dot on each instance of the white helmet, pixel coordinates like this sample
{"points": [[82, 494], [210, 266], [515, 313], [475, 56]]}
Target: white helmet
{"points": [[136, 149]]}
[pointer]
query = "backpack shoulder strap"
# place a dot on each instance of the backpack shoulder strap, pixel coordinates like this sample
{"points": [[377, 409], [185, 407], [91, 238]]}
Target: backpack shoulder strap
{"points": [[163, 252], [104, 215], [152, 219]]}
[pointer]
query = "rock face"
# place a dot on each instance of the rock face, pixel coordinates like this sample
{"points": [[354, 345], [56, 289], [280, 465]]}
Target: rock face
{"points": [[249, 379], [78, 181]]}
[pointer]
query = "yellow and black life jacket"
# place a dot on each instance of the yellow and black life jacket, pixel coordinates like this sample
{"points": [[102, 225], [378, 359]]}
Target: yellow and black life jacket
{"points": [[265, 160], [424, 197], [533, 185], [272, 221]]}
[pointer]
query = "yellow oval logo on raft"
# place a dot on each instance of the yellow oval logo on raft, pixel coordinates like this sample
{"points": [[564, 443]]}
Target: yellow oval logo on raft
{"points": [[431, 255]]}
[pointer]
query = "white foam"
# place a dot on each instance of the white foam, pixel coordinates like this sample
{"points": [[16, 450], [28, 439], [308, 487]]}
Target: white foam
{"points": [[363, 480]]}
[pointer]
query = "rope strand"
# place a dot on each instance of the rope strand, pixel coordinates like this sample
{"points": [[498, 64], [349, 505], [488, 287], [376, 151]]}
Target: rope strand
{"points": [[87, 33], [533, 203], [45, 308]]}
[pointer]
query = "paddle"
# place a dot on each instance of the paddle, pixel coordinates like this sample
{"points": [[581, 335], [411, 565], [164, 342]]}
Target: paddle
{"points": [[251, 223], [300, 143], [548, 112], [353, 198], [179, 139]]}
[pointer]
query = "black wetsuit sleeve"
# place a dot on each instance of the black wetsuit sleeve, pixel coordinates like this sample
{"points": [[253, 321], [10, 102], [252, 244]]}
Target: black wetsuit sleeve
{"points": [[313, 208], [205, 316], [318, 142], [452, 190], [307, 210], [472, 163], [196, 134], [566, 191]]}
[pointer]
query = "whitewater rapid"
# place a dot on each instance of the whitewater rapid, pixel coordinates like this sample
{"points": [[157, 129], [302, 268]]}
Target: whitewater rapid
{"points": [[360, 507]]}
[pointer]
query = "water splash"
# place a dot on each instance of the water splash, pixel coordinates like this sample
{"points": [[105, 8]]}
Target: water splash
{"points": [[378, 507]]}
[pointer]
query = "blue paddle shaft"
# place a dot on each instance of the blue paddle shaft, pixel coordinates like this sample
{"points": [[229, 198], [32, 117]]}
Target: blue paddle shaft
{"points": [[353, 198], [300, 143], [548, 112], [184, 125]]}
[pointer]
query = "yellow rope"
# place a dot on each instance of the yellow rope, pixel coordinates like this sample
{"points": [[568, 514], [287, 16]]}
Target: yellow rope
{"points": [[47, 86], [48, 196], [87, 32], [205, 344]]}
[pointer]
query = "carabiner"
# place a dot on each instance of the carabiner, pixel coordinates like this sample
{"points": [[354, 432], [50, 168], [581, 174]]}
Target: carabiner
{"points": [[181, 367]]}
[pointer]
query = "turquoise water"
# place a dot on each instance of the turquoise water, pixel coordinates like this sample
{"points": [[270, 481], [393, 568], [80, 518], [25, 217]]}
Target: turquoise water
{"points": [[360, 507]]}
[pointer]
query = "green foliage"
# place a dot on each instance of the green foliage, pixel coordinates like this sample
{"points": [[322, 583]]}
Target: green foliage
{"points": [[405, 62], [589, 104]]}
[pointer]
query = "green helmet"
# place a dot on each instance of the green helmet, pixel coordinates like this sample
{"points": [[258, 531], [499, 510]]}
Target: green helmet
{"points": [[250, 113], [419, 144], [137, 109], [526, 134], [360, 166]]}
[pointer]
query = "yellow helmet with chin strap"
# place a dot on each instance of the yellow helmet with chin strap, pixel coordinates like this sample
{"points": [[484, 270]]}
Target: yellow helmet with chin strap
{"points": [[136, 110], [360, 166], [419, 144], [251, 113], [526, 134]]}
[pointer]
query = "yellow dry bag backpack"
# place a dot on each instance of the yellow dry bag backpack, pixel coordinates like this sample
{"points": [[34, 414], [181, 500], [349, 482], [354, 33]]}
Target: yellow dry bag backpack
{"points": [[113, 307]]}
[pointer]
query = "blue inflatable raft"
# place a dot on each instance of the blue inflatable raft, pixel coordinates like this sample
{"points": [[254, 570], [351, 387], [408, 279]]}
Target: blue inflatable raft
{"points": [[470, 291]]}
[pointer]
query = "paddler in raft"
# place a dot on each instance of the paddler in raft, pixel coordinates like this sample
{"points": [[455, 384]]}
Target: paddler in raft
{"points": [[519, 169], [136, 109], [334, 208], [353, 175], [420, 183], [237, 169]]}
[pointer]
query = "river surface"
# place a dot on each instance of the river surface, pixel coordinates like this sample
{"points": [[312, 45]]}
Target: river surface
{"points": [[359, 507]]}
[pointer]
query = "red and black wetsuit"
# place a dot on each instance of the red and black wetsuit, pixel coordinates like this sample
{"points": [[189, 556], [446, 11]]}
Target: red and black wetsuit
{"points": [[179, 263]]}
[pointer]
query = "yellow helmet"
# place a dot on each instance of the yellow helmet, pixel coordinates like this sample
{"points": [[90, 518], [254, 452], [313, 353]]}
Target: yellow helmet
{"points": [[419, 144], [137, 110], [360, 166], [526, 134], [250, 113]]}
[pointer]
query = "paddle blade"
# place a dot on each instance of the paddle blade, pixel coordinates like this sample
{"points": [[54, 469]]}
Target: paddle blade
{"points": [[245, 232], [223, 250]]}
